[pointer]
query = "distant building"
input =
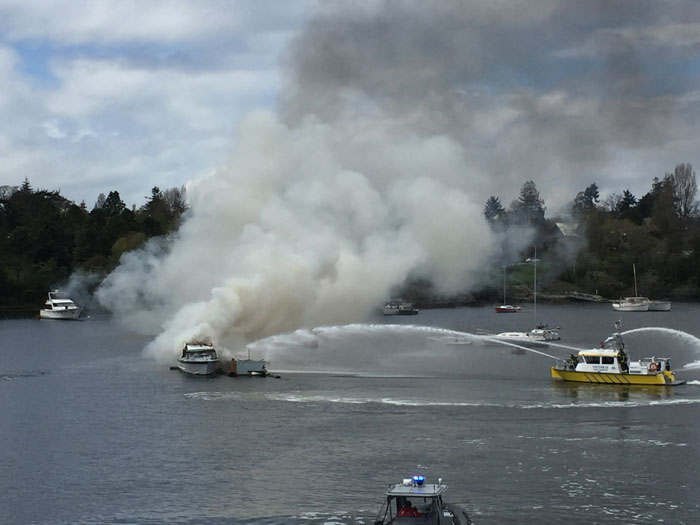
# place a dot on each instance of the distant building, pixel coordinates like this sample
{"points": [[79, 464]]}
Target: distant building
{"points": [[567, 229]]}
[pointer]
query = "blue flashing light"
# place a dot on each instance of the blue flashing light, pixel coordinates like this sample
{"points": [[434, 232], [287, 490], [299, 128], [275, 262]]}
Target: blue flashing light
{"points": [[418, 480]]}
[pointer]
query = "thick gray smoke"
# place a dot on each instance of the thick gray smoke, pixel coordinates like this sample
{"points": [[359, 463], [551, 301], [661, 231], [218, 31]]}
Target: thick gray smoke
{"points": [[286, 236], [563, 93], [396, 122]]}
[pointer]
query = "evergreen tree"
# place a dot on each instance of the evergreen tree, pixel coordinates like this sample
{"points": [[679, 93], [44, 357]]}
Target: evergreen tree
{"points": [[493, 209], [529, 207]]}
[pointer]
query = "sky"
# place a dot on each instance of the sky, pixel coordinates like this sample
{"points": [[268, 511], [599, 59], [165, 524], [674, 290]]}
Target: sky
{"points": [[332, 150], [126, 95]]}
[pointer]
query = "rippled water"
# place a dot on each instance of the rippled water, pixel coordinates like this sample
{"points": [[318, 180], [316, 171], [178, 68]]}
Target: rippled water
{"points": [[92, 432]]}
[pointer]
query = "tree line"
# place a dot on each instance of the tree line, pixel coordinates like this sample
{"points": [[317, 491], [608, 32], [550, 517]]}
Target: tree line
{"points": [[592, 246], [45, 237]]}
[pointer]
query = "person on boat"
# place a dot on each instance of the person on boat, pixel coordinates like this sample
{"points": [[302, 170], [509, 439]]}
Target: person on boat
{"points": [[572, 361], [409, 510], [622, 358]]}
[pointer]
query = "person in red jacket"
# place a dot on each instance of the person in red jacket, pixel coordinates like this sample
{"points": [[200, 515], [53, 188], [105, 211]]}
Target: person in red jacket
{"points": [[409, 510]]}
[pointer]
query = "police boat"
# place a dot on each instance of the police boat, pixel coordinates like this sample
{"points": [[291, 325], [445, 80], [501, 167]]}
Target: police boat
{"points": [[415, 502]]}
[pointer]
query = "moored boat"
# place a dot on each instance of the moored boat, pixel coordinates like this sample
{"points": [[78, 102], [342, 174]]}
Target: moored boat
{"points": [[198, 359], [542, 332], [407, 309], [659, 306], [631, 304], [416, 502], [641, 304], [391, 308], [399, 307], [611, 364], [507, 309], [538, 336], [59, 306]]}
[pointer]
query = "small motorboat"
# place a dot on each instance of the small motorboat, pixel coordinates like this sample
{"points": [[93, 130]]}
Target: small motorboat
{"points": [[544, 333], [198, 358], [611, 364], [416, 502], [407, 309], [507, 309], [538, 336], [399, 307], [59, 306]]}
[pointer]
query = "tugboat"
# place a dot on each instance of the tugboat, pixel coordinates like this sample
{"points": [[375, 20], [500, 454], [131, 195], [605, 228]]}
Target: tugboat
{"points": [[610, 364], [415, 502]]}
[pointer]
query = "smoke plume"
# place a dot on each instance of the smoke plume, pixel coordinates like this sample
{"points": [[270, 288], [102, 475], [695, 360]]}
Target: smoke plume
{"points": [[396, 121], [286, 236]]}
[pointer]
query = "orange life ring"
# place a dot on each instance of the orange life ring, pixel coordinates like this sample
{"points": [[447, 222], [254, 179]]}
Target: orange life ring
{"points": [[653, 367]]}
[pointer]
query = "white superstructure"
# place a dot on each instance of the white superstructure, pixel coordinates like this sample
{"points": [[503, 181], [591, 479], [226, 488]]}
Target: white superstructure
{"points": [[59, 306], [198, 359]]}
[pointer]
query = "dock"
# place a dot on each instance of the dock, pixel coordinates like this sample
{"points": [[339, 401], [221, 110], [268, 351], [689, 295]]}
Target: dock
{"points": [[578, 296]]}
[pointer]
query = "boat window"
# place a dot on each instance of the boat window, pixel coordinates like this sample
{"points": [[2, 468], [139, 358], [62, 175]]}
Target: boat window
{"points": [[592, 359], [608, 360]]}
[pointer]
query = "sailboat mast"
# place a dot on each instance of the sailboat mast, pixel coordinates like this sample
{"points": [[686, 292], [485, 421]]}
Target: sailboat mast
{"points": [[534, 290], [504, 284], [634, 272]]}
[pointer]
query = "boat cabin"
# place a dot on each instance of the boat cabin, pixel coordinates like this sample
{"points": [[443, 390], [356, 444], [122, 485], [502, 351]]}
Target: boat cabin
{"points": [[199, 352]]}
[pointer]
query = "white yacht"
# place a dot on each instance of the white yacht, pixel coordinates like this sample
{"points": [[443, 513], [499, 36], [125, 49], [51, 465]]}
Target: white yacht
{"points": [[631, 304], [538, 336], [59, 306], [198, 359], [641, 304]]}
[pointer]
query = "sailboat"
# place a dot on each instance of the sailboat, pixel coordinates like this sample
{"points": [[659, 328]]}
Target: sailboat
{"points": [[639, 303], [541, 333], [506, 308]]}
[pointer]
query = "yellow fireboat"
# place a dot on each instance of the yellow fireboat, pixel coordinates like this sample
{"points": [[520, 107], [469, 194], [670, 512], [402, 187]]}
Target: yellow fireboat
{"points": [[610, 364]]}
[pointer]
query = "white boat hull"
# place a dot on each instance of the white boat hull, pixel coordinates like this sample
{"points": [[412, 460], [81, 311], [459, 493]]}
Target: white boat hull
{"points": [[200, 368], [68, 313], [660, 306], [621, 307]]}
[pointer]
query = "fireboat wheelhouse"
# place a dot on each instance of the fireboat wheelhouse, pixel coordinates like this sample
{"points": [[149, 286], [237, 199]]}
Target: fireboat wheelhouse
{"points": [[610, 364]]}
